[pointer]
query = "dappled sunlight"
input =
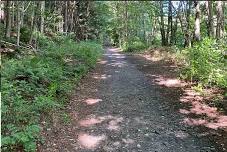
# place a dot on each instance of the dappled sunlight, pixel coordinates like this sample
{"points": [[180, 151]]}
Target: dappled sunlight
{"points": [[101, 77], [90, 141], [102, 62], [128, 141], [115, 49], [149, 57], [152, 58], [168, 82], [181, 134], [140, 120], [119, 64], [116, 57], [157, 54], [92, 101], [120, 57], [114, 124], [220, 122], [198, 112], [184, 111], [213, 119], [89, 122]]}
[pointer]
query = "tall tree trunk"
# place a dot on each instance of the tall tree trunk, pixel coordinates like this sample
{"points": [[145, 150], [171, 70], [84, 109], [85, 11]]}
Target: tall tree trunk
{"points": [[76, 27], [220, 20], [170, 23], [66, 17], [13, 15], [18, 23], [8, 19], [210, 18], [60, 20], [32, 22], [174, 32], [144, 29], [126, 23], [197, 36], [223, 19], [42, 9], [2, 12], [22, 13], [72, 11], [162, 26], [187, 42]]}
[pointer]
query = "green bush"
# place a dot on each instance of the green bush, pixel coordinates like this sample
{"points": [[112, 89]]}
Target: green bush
{"points": [[25, 34], [37, 85], [206, 63], [134, 45]]}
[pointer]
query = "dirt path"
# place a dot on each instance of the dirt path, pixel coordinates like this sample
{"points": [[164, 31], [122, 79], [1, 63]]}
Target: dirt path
{"points": [[118, 107]]}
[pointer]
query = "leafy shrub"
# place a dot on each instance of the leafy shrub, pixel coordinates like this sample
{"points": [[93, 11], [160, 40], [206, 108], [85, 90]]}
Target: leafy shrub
{"points": [[206, 63], [135, 46], [25, 34], [37, 85]]}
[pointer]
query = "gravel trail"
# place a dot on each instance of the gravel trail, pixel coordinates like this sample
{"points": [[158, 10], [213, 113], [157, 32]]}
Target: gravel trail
{"points": [[118, 108]]}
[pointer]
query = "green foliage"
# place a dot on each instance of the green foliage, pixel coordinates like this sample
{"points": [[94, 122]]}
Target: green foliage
{"points": [[38, 85], [206, 63], [65, 118], [135, 46], [25, 34]]}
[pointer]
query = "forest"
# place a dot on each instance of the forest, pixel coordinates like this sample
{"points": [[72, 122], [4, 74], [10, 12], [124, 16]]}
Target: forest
{"points": [[49, 47]]}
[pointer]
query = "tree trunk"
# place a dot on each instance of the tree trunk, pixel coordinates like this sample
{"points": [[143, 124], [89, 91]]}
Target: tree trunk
{"points": [[174, 32], [8, 19], [66, 18], [2, 12], [22, 14], [42, 9], [220, 20], [126, 23], [60, 20], [162, 26], [13, 15], [32, 22], [223, 20], [170, 23], [144, 29], [187, 42], [72, 11], [210, 19], [197, 36], [18, 23]]}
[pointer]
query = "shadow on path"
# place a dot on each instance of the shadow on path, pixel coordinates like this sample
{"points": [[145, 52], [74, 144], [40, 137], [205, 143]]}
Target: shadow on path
{"points": [[128, 103]]}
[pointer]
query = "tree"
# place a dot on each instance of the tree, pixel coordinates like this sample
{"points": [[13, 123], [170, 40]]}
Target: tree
{"points": [[220, 20], [18, 22], [8, 19], [66, 17], [170, 23], [42, 9], [197, 36], [210, 22], [126, 22], [32, 24], [162, 25]]}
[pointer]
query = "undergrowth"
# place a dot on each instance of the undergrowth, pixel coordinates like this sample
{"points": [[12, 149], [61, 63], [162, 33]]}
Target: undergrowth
{"points": [[206, 63], [37, 85], [134, 45]]}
